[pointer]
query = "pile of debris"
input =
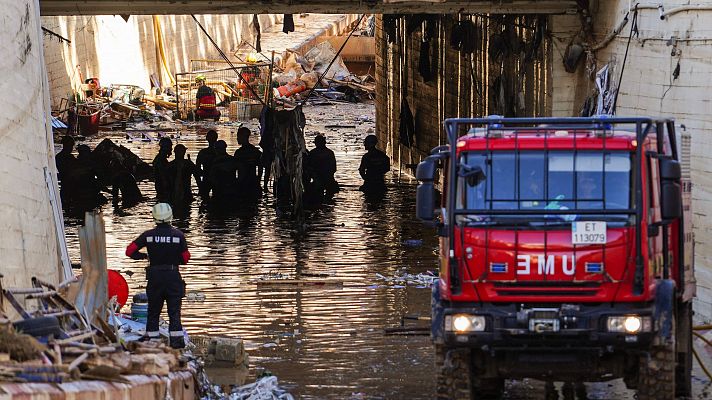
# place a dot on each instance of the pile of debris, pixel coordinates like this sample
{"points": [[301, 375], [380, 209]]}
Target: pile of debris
{"points": [[95, 108], [301, 76], [53, 342]]}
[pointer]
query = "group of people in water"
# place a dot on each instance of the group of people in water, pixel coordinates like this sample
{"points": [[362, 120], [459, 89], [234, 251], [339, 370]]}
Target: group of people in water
{"points": [[222, 179], [85, 176]]}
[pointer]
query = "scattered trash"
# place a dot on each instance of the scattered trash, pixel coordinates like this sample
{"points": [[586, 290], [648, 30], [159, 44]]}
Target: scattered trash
{"points": [[265, 388], [426, 279], [194, 296]]}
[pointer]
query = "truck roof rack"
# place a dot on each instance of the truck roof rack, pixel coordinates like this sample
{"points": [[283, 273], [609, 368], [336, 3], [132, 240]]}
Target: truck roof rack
{"points": [[644, 126]]}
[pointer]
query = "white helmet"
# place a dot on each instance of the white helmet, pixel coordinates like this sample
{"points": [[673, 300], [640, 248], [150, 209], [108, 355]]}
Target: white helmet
{"points": [[162, 212]]}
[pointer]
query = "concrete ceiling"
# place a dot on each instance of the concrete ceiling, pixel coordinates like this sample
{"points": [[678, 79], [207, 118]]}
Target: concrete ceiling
{"points": [[107, 7]]}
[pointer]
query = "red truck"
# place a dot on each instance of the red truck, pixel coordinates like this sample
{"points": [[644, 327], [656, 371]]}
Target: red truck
{"points": [[566, 254]]}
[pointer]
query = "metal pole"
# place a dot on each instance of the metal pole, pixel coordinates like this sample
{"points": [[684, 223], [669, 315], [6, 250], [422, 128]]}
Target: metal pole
{"points": [[269, 83]]}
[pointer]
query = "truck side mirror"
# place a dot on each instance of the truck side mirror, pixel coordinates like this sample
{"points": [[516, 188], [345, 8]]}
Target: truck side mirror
{"points": [[426, 169], [425, 194], [670, 169], [425, 202], [671, 200], [670, 189]]}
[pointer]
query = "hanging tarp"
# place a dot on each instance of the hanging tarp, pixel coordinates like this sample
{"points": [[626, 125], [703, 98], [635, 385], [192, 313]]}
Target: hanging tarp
{"points": [[286, 130]]}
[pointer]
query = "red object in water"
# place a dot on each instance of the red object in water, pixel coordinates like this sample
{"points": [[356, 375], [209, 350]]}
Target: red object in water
{"points": [[89, 124], [118, 287]]}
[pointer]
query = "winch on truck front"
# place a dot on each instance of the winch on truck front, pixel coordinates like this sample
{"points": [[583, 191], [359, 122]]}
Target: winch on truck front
{"points": [[565, 254]]}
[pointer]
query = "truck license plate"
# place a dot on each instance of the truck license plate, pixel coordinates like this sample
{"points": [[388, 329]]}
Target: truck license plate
{"points": [[588, 232]]}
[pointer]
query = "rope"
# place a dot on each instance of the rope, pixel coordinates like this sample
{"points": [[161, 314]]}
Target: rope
{"points": [[227, 60], [633, 28]]}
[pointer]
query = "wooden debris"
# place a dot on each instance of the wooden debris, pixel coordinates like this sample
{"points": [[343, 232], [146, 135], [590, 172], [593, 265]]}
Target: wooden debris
{"points": [[74, 364], [84, 351], [76, 338], [297, 282], [408, 330]]}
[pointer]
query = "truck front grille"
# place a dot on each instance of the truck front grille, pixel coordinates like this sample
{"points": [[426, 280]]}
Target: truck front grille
{"points": [[543, 289]]}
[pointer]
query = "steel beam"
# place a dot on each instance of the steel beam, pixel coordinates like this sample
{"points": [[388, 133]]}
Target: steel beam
{"points": [[108, 7]]}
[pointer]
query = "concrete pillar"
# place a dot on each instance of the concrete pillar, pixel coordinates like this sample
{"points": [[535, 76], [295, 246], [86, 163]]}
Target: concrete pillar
{"points": [[28, 237]]}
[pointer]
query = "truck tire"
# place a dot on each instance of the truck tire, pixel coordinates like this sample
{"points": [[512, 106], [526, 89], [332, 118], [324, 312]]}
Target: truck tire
{"points": [[656, 376], [454, 374], [683, 369], [456, 379]]}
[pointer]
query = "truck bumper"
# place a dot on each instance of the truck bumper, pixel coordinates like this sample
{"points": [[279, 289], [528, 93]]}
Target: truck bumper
{"points": [[581, 345]]}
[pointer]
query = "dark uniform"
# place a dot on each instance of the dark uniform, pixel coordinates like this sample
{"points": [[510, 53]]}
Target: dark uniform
{"points": [[167, 249], [66, 166], [162, 177], [179, 173], [248, 159], [222, 178], [374, 165], [321, 163], [204, 162]]}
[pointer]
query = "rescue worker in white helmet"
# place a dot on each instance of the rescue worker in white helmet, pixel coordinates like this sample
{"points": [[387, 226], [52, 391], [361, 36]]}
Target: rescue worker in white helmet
{"points": [[205, 101], [167, 249]]}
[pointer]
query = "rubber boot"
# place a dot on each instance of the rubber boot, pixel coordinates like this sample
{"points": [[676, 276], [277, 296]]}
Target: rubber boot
{"points": [[177, 342]]}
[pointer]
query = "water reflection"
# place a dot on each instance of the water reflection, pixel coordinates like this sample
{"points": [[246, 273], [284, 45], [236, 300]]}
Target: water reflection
{"points": [[322, 341]]}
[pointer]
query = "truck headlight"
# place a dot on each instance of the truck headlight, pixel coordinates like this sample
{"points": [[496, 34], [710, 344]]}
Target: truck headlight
{"points": [[630, 324], [461, 323]]}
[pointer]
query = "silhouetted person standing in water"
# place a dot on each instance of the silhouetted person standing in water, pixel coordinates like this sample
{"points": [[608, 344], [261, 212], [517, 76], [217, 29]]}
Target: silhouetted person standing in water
{"points": [[222, 175], [204, 161], [160, 170], [88, 191], [65, 160], [179, 172], [66, 164], [321, 166], [249, 168], [374, 165]]}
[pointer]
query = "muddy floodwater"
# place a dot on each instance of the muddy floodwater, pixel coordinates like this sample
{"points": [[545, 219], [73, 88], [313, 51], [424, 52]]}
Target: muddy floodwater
{"points": [[322, 341]]}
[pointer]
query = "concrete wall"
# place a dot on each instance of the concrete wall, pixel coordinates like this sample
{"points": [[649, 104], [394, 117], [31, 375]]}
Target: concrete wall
{"points": [[464, 84], [124, 52], [650, 89], [28, 240]]}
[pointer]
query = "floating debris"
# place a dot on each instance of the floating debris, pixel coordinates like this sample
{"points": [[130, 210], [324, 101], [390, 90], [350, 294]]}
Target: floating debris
{"points": [[265, 388], [195, 296], [422, 280]]}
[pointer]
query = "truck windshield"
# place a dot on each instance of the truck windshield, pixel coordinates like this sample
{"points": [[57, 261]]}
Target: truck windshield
{"points": [[547, 180]]}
